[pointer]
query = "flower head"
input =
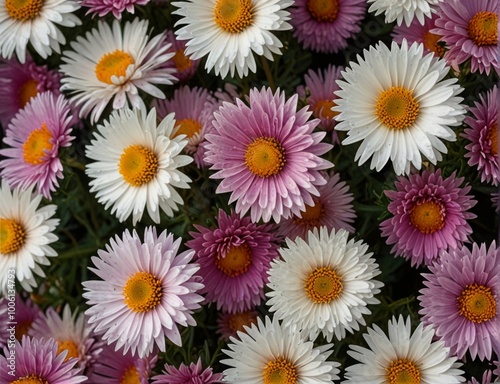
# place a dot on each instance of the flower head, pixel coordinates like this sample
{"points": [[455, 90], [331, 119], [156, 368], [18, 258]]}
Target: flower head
{"points": [[185, 67], [25, 312], [102, 7], [192, 374], [405, 10]]}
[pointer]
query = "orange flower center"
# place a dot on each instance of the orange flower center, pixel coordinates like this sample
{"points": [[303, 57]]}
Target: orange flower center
{"points": [[181, 61], [143, 292], [27, 91], [31, 379], [237, 261], [323, 10], [397, 108], [12, 236], [233, 16], [280, 371], [265, 157], [312, 216], [483, 28], [130, 376], [70, 346], [113, 64], [37, 145], [23, 10], [403, 371], [493, 137], [323, 109], [323, 285], [431, 42], [188, 127], [477, 303], [427, 217], [138, 165]]}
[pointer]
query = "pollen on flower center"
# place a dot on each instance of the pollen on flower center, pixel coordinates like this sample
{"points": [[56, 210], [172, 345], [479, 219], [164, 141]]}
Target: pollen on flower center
{"points": [[323, 10], [188, 127], [138, 165], [238, 320], [323, 285], [265, 157], [130, 376], [181, 61], [12, 236], [312, 215], [23, 10], [70, 346], [323, 109], [477, 303], [31, 379], [483, 28], [142, 292], [403, 371], [113, 64], [27, 91], [427, 217], [493, 137], [37, 145], [431, 42], [280, 371], [397, 108], [237, 260], [233, 16]]}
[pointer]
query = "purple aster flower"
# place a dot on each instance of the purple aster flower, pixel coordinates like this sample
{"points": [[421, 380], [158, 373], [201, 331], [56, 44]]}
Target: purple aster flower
{"points": [[234, 258], [185, 67], [192, 374], [102, 7], [486, 379], [461, 300], [483, 137], [35, 135], [37, 361], [325, 26], [470, 30], [229, 324], [25, 314], [429, 215], [267, 155]]}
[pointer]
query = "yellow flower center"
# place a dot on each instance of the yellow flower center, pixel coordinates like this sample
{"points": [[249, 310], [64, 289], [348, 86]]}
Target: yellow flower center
{"points": [[238, 320], [31, 379], [431, 42], [280, 371], [396, 108], [23, 10], [483, 28], [130, 376], [37, 145], [188, 127], [477, 303], [312, 215], [27, 91], [138, 165], [143, 292], [265, 157], [12, 236], [233, 16], [427, 217], [237, 261], [323, 10], [181, 61], [403, 371], [70, 346], [493, 137], [22, 329], [323, 285], [113, 64], [323, 109]]}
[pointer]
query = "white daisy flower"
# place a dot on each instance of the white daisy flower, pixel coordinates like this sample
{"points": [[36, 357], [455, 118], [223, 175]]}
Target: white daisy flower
{"points": [[272, 353], [398, 104], [229, 30], [407, 10], [25, 235], [35, 22], [136, 164], [111, 64], [402, 357], [323, 284]]}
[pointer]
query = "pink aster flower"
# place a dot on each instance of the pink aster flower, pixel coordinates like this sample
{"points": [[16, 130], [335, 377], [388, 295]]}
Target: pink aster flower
{"points": [[234, 259], [146, 290], [332, 209], [483, 137], [461, 300], [267, 155], [429, 215], [470, 30], [117, 7], [35, 135], [184, 66], [229, 324], [37, 361], [486, 379], [23, 311], [192, 374], [326, 26]]}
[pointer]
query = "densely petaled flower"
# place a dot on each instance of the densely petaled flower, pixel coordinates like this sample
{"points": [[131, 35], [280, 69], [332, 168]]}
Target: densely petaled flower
{"points": [[185, 67], [136, 164], [267, 155], [229, 324], [429, 215], [470, 31], [146, 291], [398, 104], [229, 32], [234, 258], [22, 311], [462, 300], [113, 64], [270, 350], [26, 232], [332, 209], [325, 26], [402, 356], [405, 10], [34, 136], [192, 374], [37, 361], [323, 284], [36, 22], [102, 7], [483, 137]]}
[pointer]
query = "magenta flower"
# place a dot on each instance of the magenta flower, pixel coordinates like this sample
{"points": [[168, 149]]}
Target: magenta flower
{"points": [[229, 324], [326, 26], [483, 137], [35, 135], [234, 259], [461, 300], [102, 7], [429, 215], [267, 155], [192, 374], [470, 31], [25, 314]]}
